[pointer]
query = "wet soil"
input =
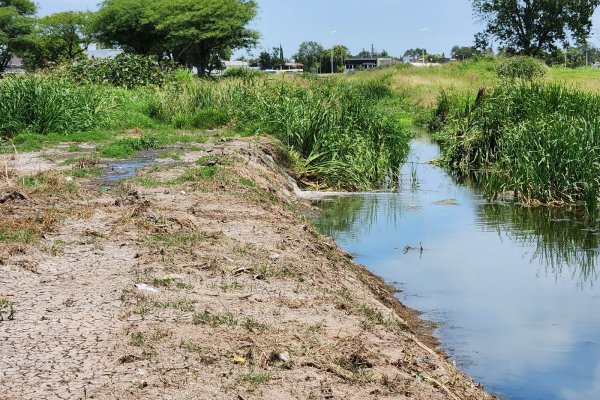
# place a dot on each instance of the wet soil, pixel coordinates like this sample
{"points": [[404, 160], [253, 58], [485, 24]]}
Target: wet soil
{"points": [[202, 280]]}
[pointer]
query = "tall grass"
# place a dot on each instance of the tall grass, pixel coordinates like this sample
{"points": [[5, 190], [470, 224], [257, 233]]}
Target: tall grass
{"points": [[336, 131], [339, 136], [541, 140], [42, 106]]}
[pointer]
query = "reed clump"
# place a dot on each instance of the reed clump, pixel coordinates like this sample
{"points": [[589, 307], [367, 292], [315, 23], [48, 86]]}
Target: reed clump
{"points": [[42, 106], [337, 134], [540, 140]]}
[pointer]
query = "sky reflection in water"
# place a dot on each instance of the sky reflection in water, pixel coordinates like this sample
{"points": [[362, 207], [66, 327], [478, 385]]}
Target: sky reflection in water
{"points": [[514, 289]]}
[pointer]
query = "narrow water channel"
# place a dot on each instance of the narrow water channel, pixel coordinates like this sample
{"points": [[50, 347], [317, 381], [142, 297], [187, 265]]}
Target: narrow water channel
{"points": [[513, 290]]}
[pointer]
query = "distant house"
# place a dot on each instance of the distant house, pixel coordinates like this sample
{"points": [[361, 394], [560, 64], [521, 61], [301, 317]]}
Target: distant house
{"points": [[355, 64], [291, 68], [15, 66], [93, 51], [236, 64]]}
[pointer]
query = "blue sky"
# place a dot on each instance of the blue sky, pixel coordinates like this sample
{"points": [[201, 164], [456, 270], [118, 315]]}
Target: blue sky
{"points": [[393, 25]]}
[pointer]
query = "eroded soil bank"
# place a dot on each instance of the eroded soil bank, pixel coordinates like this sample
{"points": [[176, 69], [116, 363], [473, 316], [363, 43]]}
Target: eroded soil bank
{"points": [[197, 279]]}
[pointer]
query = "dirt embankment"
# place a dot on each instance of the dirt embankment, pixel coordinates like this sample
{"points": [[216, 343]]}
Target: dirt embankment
{"points": [[237, 296]]}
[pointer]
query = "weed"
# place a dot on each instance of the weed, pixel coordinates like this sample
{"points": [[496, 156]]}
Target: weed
{"points": [[136, 339], [7, 308], [127, 147], [24, 235], [40, 105], [172, 154], [247, 182], [85, 172], [230, 287], [258, 378], [199, 350], [538, 140], [279, 273], [149, 352], [206, 318], [57, 248], [198, 174], [253, 325]]}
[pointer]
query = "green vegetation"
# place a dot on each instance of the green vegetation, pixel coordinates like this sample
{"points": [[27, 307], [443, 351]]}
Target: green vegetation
{"points": [[540, 140], [340, 133], [7, 308], [206, 318], [536, 137], [25, 235], [527, 68], [259, 378], [194, 33], [42, 106], [124, 70]]}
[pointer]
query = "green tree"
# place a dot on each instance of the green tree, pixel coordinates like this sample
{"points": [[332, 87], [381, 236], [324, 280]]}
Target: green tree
{"points": [[415, 54], [16, 23], [340, 53], [462, 52], [535, 27], [265, 61], [129, 24], [57, 37], [309, 54], [196, 31]]}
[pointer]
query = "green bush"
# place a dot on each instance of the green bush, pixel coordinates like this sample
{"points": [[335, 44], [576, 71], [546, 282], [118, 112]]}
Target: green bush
{"points": [[521, 67], [124, 70], [239, 72], [41, 105]]}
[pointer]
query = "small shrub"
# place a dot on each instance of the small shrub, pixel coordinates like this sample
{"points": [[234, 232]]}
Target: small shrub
{"points": [[124, 70], [239, 72], [520, 67]]}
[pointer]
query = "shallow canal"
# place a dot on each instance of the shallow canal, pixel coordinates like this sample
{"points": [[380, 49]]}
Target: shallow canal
{"points": [[513, 290]]}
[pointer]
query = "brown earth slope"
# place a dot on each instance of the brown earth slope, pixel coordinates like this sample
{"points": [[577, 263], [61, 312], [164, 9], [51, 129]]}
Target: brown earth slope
{"points": [[245, 300]]}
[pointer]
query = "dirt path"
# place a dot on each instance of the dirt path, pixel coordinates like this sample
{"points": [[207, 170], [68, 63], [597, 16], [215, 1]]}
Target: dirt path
{"points": [[246, 300]]}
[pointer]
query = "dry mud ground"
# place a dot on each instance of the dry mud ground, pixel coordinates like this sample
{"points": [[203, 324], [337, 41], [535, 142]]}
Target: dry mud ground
{"points": [[249, 301]]}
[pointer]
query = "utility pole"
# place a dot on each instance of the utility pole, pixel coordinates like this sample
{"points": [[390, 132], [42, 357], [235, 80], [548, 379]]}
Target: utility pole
{"points": [[423, 56], [372, 50]]}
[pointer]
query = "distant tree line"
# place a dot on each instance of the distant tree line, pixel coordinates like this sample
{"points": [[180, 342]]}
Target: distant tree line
{"points": [[312, 55]]}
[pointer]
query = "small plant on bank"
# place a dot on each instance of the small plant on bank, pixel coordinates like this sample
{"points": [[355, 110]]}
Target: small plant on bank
{"points": [[7, 310], [258, 378], [206, 318]]}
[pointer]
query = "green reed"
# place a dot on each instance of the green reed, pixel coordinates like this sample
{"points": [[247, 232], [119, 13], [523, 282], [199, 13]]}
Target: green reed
{"points": [[42, 106], [540, 140]]}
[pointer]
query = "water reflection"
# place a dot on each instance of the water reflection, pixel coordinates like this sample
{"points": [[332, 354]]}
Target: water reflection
{"points": [[559, 238], [556, 238], [511, 288], [356, 215]]}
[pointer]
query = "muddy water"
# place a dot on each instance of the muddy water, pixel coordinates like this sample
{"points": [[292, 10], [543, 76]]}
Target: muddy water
{"points": [[124, 169], [514, 291]]}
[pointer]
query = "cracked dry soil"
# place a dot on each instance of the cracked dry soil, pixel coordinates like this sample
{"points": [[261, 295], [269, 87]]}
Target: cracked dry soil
{"points": [[250, 302]]}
